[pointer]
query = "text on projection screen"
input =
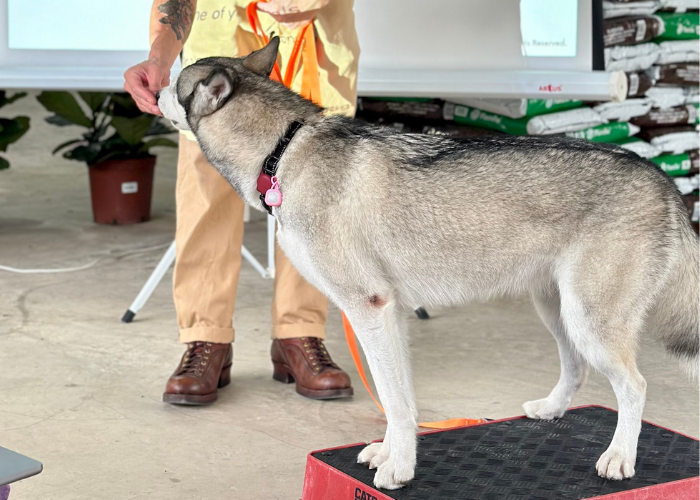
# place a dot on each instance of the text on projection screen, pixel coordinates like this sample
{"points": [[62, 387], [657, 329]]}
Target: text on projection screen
{"points": [[549, 27]]}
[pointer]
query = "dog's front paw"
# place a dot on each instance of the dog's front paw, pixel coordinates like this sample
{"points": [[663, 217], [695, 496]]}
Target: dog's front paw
{"points": [[373, 455], [544, 409], [393, 474], [616, 464]]}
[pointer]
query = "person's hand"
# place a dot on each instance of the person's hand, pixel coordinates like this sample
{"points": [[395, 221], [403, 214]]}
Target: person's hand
{"points": [[143, 81]]}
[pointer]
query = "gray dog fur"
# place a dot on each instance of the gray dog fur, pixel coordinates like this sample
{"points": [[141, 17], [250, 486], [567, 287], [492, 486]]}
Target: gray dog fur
{"points": [[380, 221]]}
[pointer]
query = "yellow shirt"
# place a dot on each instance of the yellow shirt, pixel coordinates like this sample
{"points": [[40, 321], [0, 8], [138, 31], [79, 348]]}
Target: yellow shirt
{"points": [[221, 28]]}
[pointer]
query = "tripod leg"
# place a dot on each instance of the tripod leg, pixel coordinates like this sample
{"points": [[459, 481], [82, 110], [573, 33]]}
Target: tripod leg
{"points": [[271, 225], [422, 313], [156, 276], [254, 262]]}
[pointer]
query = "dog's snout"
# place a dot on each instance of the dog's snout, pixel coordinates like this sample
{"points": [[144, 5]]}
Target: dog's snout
{"points": [[157, 96]]}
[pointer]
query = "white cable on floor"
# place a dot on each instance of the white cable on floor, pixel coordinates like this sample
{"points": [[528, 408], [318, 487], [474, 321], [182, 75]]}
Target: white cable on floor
{"points": [[80, 268], [44, 271]]}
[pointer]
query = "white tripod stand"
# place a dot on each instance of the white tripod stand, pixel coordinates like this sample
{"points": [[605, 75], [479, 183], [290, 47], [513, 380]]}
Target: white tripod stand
{"points": [[167, 260]]}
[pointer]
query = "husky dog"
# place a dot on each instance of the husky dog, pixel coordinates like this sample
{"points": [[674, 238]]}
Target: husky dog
{"points": [[380, 221]]}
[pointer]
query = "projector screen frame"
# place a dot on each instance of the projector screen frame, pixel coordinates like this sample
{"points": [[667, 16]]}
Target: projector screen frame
{"points": [[598, 49], [94, 74]]}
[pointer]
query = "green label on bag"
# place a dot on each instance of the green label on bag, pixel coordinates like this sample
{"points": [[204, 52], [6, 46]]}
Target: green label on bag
{"points": [[609, 132], [679, 26], [478, 118], [541, 106], [673, 165]]}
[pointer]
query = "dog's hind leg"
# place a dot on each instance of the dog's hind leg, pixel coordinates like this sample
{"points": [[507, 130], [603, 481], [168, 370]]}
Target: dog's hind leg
{"points": [[381, 328], [573, 367], [603, 306]]}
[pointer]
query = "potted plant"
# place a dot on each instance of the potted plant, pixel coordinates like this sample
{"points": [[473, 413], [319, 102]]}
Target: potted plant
{"points": [[116, 148], [11, 129]]}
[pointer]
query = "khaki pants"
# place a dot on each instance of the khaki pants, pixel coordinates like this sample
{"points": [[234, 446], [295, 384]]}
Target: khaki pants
{"points": [[209, 236]]}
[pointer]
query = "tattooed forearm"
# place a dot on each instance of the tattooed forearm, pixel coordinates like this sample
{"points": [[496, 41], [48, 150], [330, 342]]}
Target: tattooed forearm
{"points": [[178, 14]]}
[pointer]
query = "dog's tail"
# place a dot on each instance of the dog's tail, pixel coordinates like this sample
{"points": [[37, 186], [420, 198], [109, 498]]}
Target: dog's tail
{"points": [[676, 315]]}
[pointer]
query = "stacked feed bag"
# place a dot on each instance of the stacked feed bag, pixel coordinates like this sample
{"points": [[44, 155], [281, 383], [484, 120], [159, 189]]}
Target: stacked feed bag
{"points": [[519, 108], [416, 109], [523, 116], [418, 115], [469, 116], [604, 123], [609, 122], [656, 43]]}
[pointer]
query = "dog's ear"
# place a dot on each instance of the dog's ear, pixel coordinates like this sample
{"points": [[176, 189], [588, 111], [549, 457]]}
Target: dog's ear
{"points": [[262, 61], [212, 93]]}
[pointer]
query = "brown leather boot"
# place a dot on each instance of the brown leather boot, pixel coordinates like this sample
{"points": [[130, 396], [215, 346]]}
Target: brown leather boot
{"points": [[204, 367], [306, 361]]}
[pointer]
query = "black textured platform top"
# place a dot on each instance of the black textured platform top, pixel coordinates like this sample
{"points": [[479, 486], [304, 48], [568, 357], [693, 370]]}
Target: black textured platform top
{"points": [[530, 459]]}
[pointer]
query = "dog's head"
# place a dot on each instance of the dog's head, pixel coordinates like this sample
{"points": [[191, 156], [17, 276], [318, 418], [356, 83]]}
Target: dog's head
{"points": [[209, 90]]}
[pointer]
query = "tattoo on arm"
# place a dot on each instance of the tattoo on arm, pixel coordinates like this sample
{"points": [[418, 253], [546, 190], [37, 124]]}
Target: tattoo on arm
{"points": [[178, 14]]}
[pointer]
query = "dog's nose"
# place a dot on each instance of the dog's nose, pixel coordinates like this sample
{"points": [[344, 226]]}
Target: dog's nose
{"points": [[157, 96]]}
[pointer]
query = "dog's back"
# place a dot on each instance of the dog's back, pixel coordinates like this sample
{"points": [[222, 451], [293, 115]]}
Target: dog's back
{"points": [[500, 212]]}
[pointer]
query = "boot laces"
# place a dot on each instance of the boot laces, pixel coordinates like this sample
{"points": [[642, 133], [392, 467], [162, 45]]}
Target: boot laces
{"points": [[195, 358], [318, 353]]}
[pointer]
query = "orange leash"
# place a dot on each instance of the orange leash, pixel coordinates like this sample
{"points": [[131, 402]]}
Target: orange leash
{"points": [[355, 353], [453, 422], [252, 13], [305, 44]]}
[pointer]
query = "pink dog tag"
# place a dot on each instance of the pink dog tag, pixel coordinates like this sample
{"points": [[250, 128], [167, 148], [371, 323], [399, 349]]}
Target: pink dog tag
{"points": [[273, 196]]}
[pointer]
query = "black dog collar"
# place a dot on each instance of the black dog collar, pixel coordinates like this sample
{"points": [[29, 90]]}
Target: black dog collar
{"points": [[269, 169]]}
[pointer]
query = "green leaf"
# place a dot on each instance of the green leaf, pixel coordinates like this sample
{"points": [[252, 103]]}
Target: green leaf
{"points": [[12, 130], [115, 146], [115, 140], [65, 144], [4, 101], [99, 132], [58, 121], [161, 141], [104, 156], [94, 100], [132, 130], [88, 153], [4, 163], [124, 105], [122, 99], [64, 105], [100, 128]]}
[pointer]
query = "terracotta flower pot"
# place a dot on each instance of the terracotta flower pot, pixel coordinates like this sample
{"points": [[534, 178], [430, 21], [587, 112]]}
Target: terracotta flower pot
{"points": [[121, 190]]}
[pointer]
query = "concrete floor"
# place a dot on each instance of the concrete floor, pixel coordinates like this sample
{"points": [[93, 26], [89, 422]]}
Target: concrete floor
{"points": [[81, 391]]}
